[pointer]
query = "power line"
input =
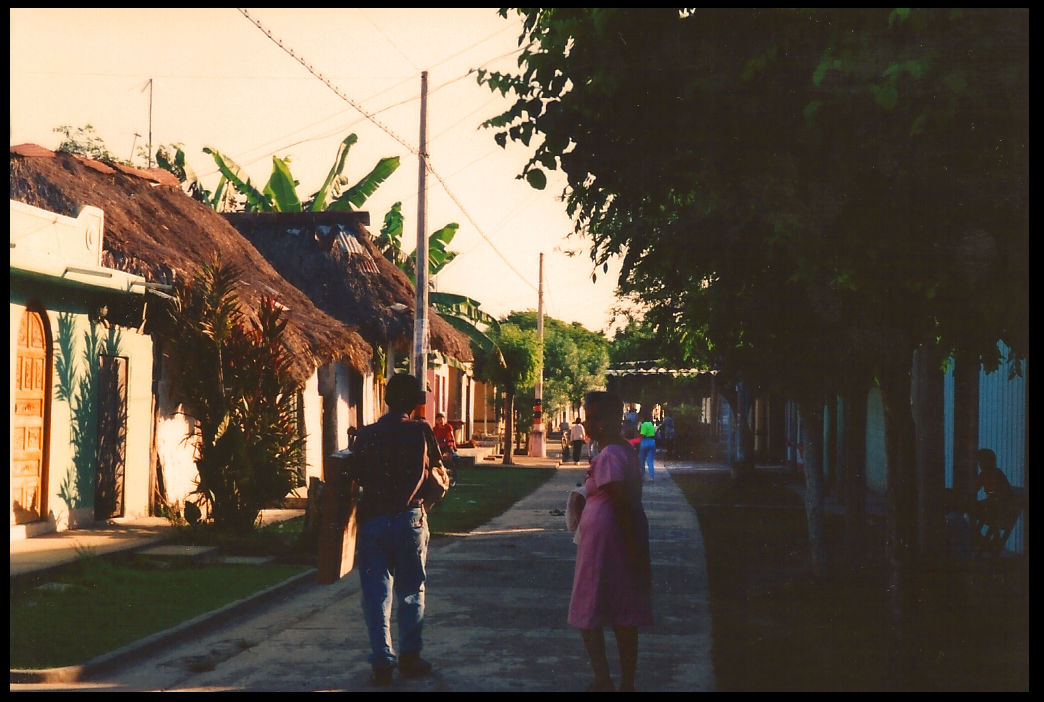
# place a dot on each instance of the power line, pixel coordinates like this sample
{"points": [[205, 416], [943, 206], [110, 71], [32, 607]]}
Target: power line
{"points": [[325, 135], [194, 77], [238, 157], [413, 150], [388, 39], [499, 31], [328, 84], [477, 109]]}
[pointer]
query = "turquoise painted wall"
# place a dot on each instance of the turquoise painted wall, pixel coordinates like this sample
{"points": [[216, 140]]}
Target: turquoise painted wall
{"points": [[77, 344]]}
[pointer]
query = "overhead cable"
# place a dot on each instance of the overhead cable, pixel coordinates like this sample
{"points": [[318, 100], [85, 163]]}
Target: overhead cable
{"points": [[413, 150]]}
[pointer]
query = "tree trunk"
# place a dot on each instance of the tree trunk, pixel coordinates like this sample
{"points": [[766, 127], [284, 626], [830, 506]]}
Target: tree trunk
{"points": [[830, 468], [792, 435], [854, 407], [813, 414], [931, 475], [965, 422], [712, 419], [509, 427], [901, 537], [744, 430]]}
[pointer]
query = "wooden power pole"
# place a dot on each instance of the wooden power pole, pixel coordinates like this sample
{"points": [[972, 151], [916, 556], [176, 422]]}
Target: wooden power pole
{"points": [[537, 445], [419, 362]]}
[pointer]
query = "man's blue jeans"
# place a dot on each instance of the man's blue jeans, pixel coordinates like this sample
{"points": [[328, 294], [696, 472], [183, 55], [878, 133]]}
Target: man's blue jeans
{"points": [[647, 455], [392, 553]]}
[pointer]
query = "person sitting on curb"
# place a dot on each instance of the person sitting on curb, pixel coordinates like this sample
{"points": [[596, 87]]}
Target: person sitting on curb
{"points": [[999, 493]]}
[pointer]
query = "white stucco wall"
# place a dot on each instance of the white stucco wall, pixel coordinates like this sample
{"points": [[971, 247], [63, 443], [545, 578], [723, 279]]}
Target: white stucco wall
{"points": [[313, 411]]}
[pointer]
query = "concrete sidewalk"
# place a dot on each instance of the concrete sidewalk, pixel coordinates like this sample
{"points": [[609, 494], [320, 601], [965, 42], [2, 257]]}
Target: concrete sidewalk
{"points": [[42, 553], [496, 609]]}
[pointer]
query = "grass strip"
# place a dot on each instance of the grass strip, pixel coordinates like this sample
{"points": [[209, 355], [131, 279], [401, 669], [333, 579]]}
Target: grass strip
{"points": [[482, 494], [777, 628], [774, 627], [95, 606]]}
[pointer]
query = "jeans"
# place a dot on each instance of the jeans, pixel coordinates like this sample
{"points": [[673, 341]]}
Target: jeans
{"points": [[392, 552], [646, 455], [577, 447]]}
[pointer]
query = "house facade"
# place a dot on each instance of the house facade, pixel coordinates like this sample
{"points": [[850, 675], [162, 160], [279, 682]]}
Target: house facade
{"points": [[81, 377], [97, 421], [329, 256]]}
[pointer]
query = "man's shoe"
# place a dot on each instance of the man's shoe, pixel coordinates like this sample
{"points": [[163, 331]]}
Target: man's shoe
{"points": [[382, 677], [411, 665]]}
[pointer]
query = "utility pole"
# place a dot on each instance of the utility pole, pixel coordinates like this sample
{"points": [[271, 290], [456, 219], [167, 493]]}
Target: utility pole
{"points": [[419, 362], [148, 85], [537, 447]]}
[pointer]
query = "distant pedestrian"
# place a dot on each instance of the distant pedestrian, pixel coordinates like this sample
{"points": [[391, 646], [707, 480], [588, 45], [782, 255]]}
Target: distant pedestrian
{"points": [[668, 434], [578, 436], [612, 583], [647, 448]]}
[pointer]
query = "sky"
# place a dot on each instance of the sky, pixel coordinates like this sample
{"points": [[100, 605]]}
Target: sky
{"points": [[220, 81]]}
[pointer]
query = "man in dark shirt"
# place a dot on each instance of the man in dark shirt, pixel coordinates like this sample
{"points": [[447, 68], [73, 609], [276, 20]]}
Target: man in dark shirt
{"points": [[395, 455]]}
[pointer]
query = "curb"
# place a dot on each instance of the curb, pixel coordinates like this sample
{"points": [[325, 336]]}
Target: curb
{"points": [[154, 642]]}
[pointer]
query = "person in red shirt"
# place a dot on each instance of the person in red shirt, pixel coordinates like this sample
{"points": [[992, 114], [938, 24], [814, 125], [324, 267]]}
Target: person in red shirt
{"points": [[444, 434], [447, 445]]}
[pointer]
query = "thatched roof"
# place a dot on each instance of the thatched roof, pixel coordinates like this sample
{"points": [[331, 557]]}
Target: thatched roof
{"points": [[331, 258], [154, 230]]}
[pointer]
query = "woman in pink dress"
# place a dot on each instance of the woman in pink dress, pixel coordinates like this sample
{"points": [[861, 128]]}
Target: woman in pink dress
{"points": [[612, 585]]}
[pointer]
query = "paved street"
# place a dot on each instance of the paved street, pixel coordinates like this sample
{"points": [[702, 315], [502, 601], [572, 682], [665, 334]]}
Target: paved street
{"points": [[496, 610]]}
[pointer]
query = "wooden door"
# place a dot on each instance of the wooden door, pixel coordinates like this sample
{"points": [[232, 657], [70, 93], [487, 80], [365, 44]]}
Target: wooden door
{"points": [[112, 437], [30, 419]]}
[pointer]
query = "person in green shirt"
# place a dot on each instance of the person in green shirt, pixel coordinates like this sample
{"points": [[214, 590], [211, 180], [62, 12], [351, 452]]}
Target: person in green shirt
{"points": [[647, 449]]}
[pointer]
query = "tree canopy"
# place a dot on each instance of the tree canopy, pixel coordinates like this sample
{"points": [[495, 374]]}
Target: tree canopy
{"points": [[791, 188], [510, 363], [575, 359]]}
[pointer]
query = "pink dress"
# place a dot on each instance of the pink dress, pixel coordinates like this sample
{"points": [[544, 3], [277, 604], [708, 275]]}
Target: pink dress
{"points": [[608, 590]]}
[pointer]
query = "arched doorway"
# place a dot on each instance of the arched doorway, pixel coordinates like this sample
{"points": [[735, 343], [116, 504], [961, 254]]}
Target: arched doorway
{"points": [[31, 418]]}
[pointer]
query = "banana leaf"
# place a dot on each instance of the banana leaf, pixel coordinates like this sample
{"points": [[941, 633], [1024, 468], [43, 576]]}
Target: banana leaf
{"points": [[219, 191], [453, 305], [390, 239], [477, 337], [282, 188], [438, 256], [318, 202], [355, 196], [437, 358], [256, 200]]}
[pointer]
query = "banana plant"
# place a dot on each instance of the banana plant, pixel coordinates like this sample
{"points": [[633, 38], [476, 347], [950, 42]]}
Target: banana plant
{"points": [[171, 158], [389, 242], [256, 200], [466, 316], [280, 192], [438, 255]]}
